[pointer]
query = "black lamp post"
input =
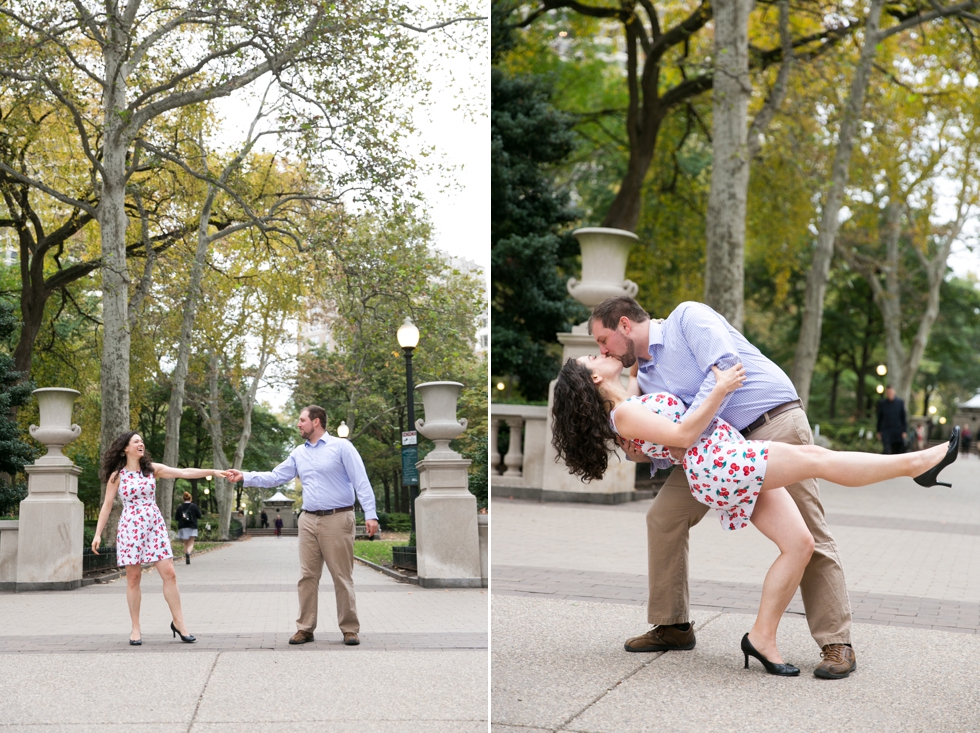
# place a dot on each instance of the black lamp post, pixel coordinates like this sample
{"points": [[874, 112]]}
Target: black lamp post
{"points": [[408, 339]]}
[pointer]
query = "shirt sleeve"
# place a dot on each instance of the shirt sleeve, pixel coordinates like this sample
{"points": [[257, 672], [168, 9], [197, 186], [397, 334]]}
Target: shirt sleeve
{"points": [[707, 336], [358, 478], [285, 471]]}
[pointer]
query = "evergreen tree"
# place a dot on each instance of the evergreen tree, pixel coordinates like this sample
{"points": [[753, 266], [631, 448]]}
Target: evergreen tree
{"points": [[14, 452], [529, 255]]}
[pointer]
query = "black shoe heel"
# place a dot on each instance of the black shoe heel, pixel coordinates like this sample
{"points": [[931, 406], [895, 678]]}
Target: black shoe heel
{"points": [[136, 642], [783, 670], [186, 639], [930, 477]]}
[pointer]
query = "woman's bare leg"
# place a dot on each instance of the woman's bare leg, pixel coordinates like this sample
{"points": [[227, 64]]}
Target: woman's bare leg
{"points": [[133, 596], [789, 464], [171, 594], [188, 545], [778, 518]]}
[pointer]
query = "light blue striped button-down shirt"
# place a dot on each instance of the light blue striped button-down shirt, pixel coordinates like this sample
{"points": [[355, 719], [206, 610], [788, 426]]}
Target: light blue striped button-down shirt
{"points": [[331, 471], [685, 346]]}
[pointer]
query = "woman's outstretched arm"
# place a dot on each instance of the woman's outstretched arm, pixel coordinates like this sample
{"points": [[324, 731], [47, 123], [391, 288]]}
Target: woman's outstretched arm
{"points": [[162, 471], [635, 422]]}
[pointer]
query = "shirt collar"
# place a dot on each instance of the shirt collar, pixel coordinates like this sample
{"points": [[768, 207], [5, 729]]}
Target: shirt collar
{"points": [[656, 339], [322, 439]]}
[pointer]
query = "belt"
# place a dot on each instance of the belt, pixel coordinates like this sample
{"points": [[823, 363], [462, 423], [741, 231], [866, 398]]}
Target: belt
{"points": [[768, 416], [328, 512]]}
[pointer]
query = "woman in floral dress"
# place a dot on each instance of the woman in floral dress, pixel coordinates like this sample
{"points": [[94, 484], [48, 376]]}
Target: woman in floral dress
{"points": [[142, 536], [742, 480]]}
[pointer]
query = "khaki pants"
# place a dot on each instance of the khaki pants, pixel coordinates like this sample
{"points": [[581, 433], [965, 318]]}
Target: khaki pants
{"points": [[327, 539], [675, 511]]}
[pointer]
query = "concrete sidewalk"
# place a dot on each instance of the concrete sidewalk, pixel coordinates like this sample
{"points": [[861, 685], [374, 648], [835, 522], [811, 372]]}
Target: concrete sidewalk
{"points": [[569, 586], [66, 665]]}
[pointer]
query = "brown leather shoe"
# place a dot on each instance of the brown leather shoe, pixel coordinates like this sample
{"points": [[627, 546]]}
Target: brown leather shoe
{"points": [[838, 662], [301, 637], [350, 638], [662, 639]]}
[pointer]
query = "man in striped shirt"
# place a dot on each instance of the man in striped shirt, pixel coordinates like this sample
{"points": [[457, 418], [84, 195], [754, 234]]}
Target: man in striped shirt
{"points": [[676, 355]]}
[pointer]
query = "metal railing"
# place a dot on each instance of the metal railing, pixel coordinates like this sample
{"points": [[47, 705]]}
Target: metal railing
{"points": [[105, 560]]}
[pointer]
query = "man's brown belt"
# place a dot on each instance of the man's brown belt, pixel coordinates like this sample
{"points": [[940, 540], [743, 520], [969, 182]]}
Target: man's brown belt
{"points": [[328, 512], [768, 416]]}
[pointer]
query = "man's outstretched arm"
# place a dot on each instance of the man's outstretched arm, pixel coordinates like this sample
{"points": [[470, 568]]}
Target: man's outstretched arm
{"points": [[285, 471]]}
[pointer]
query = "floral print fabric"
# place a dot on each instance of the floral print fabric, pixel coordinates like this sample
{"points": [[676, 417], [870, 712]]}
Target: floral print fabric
{"points": [[141, 536], [724, 470]]}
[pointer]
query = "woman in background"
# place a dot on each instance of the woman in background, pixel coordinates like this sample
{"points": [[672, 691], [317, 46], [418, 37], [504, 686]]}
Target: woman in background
{"points": [[187, 515]]}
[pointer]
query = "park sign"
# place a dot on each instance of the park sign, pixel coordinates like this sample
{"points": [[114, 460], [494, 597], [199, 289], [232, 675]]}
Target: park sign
{"points": [[410, 456]]}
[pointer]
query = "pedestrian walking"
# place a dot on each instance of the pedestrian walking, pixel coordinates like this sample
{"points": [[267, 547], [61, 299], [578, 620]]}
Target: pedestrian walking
{"points": [[142, 536], [333, 478], [967, 439], [188, 515], [920, 436], [265, 520], [278, 524], [892, 423]]}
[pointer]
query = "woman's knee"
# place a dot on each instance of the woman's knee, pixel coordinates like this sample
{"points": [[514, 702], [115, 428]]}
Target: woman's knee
{"points": [[803, 546], [133, 578], [167, 571]]}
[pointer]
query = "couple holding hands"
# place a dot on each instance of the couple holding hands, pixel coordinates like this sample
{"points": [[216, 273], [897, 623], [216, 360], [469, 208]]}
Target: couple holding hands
{"points": [[333, 476], [703, 398]]}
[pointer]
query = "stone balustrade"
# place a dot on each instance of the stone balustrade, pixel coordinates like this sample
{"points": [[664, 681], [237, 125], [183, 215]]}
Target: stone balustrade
{"points": [[523, 464]]}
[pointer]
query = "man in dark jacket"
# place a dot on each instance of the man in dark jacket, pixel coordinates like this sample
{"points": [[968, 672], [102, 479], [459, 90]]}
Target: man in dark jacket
{"points": [[892, 426]]}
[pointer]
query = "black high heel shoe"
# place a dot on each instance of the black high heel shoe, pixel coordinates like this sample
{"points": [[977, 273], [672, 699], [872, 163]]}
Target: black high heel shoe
{"points": [[929, 478], [136, 642], [783, 670], [187, 639]]}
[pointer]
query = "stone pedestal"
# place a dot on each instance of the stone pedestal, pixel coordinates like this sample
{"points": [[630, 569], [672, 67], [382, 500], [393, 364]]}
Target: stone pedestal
{"points": [[604, 255], [446, 527], [51, 525], [50, 536]]}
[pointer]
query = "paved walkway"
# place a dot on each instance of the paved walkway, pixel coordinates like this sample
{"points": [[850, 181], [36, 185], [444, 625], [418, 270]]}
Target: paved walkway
{"points": [[421, 665], [569, 586]]}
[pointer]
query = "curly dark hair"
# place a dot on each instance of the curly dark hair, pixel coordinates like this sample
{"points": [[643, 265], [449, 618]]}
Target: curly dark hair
{"points": [[114, 458], [580, 423]]}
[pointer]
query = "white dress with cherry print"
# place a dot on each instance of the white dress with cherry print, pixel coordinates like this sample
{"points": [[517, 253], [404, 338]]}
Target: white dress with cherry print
{"points": [[724, 470], [141, 536]]}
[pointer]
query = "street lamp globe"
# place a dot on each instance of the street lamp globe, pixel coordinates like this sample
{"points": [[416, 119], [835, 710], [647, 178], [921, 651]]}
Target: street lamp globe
{"points": [[408, 334], [932, 409], [882, 370], [879, 389], [342, 430]]}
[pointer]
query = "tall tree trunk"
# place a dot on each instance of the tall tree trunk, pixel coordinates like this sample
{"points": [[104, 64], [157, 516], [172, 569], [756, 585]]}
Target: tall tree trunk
{"points": [[115, 273], [171, 448], [724, 276], [808, 346]]}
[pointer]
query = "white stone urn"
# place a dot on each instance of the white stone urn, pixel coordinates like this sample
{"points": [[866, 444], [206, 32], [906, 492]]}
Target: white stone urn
{"points": [[604, 254], [56, 429], [440, 424]]}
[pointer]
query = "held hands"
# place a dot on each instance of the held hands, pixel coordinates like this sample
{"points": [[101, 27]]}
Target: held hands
{"points": [[232, 475], [729, 379], [222, 474], [631, 451]]}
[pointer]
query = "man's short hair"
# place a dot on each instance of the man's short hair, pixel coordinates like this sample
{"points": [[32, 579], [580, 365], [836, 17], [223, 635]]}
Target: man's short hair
{"points": [[609, 311], [316, 412]]}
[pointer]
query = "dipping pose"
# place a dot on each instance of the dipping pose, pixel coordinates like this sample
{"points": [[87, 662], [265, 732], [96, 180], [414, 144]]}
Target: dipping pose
{"points": [[142, 536], [743, 480]]}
